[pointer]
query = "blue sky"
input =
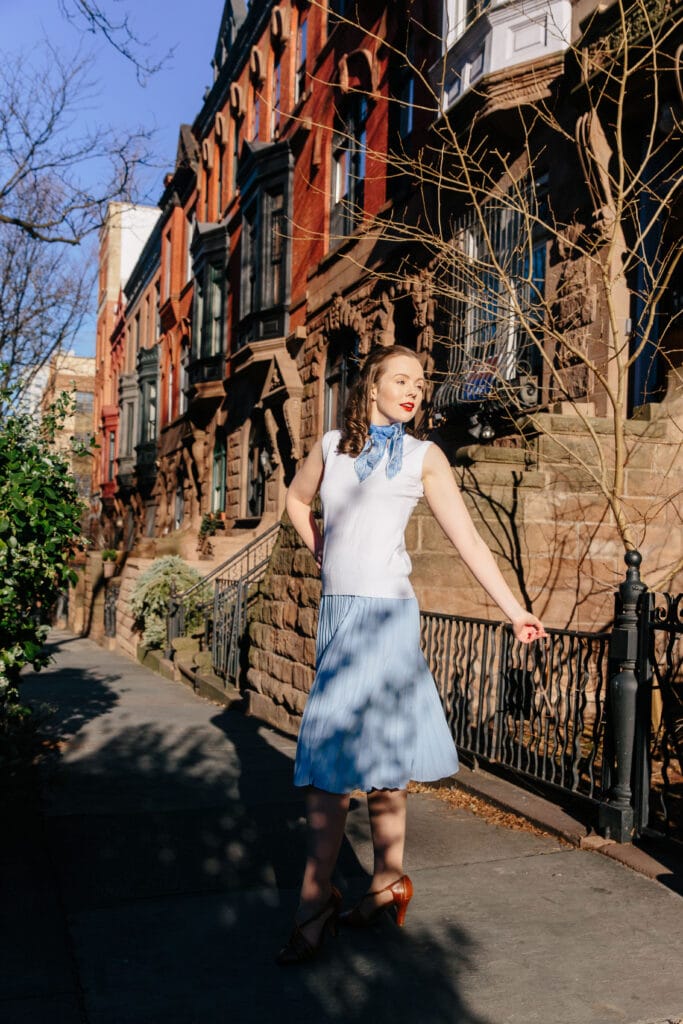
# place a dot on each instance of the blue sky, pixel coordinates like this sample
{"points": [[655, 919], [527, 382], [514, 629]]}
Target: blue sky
{"points": [[171, 96]]}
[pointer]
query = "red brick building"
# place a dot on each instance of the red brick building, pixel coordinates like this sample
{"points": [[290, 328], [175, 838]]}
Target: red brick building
{"points": [[276, 263]]}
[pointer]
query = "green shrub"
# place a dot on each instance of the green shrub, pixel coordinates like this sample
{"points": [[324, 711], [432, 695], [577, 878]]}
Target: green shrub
{"points": [[40, 530], [151, 593]]}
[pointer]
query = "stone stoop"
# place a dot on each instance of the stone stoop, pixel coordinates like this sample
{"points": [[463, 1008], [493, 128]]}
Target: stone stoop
{"points": [[194, 670]]}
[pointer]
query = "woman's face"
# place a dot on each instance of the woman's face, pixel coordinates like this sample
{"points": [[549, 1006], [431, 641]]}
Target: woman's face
{"points": [[398, 392]]}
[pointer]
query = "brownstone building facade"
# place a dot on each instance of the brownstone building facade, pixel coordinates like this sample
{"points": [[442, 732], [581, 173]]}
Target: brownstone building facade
{"points": [[438, 175]]}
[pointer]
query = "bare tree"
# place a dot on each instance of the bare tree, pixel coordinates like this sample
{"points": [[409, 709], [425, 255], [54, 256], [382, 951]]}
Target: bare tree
{"points": [[43, 153], [44, 297], [56, 181], [549, 236]]}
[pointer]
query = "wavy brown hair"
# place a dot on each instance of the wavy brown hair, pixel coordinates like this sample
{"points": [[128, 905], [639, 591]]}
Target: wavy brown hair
{"points": [[359, 406]]}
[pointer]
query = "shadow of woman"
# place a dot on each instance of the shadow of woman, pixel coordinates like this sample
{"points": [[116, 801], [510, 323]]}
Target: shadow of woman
{"points": [[383, 973]]}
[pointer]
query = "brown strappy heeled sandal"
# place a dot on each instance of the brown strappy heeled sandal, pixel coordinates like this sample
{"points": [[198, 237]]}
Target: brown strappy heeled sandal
{"points": [[401, 894], [299, 949]]}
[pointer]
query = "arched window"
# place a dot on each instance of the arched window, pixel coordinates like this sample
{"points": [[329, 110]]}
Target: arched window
{"points": [[341, 372]]}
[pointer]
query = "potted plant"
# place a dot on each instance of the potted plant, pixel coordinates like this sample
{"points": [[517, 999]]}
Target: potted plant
{"points": [[109, 556], [207, 529]]}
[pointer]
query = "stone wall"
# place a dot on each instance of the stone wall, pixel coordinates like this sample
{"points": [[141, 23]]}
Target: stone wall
{"points": [[552, 531], [282, 634]]}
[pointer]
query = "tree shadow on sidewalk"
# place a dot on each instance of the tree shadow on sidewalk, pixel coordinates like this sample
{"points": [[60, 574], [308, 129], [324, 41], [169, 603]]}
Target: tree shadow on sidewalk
{"points": [[179, 846]]}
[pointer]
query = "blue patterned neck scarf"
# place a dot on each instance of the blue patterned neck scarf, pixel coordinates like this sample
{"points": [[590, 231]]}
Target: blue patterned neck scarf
{"points": [[380, 439]]}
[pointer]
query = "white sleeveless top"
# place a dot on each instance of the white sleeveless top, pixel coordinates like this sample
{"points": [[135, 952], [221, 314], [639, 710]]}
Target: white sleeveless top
{"points": [[364, 551]]}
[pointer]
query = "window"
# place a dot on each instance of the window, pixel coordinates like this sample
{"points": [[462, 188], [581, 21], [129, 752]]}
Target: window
{"points": [[405, 86], [348, 168], [149, 412], [337, 10], [179, 511], [263, 253], [167, 265], [157, 307], [188, 250], [184, 385], [250, 260], [276, 97], [84, 403], [275, 208], [343, 357], [490, 344], [301, 54], [170, 384], [255, 111], [219, 475], [458, 16], [235, 152], [265, 180], [129, 427], [145, 323], [112, 455], [220, 157], [208, 311], [258, 471]]}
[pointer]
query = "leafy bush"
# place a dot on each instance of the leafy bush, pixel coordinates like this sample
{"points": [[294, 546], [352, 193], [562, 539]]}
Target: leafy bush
{"points": [[151, 593], [40, 530]]}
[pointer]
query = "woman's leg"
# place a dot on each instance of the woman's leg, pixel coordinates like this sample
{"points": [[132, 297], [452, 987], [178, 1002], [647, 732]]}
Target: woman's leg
{"points": [[387, 810], [326, 817]]}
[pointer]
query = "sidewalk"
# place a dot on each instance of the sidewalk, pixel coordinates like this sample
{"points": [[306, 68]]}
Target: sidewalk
{"points": [[163, 876]]}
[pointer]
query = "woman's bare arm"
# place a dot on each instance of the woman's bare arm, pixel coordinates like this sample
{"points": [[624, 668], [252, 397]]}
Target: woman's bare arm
{"points": [[300, 495], [446, 502]]}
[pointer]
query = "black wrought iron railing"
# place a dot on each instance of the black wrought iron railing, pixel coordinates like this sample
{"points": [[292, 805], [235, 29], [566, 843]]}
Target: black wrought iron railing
{"points": [[216, 607], [661, 672], [536, 709]]}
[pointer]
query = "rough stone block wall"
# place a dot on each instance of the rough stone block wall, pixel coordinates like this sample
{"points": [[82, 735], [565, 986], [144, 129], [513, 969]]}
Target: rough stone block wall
{"points": [[282, 634], [551, 530]]}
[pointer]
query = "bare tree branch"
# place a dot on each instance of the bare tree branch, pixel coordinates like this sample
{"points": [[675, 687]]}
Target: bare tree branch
{"points": [[42, 151], [119, 33]]}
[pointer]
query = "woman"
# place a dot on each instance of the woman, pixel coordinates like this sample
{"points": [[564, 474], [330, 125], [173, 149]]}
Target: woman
{"points": [[373, 719]]}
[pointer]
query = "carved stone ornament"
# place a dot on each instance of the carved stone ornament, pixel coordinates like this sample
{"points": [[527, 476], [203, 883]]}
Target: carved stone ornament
{"points": [[361, 65], [342, 314], [291, 411], [271, 429], [595, 154], [576, 297]]}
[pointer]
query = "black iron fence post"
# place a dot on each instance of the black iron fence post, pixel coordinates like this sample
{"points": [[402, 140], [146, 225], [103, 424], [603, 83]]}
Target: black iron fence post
{"points": [[172, 622], [616, 818]]}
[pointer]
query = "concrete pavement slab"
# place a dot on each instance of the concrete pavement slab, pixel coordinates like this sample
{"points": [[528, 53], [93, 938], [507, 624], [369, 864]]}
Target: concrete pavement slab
{"points": [[177, 839]]}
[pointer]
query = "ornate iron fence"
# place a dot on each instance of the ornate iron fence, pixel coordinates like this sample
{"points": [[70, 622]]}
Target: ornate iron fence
{"points": [[661, 675], [223, 613], [536, 709]]}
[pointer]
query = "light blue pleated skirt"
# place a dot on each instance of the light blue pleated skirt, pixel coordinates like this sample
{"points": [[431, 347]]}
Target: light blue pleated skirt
{"points": [[373, 719]]}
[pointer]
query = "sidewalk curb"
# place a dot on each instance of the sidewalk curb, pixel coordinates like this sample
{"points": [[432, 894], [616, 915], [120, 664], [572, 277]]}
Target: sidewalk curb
{"points": [[500, 793], [553, 819], [512, 799]]}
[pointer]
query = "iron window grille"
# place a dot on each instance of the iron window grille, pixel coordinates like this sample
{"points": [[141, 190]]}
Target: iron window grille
{"points": [[494, 291]]}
